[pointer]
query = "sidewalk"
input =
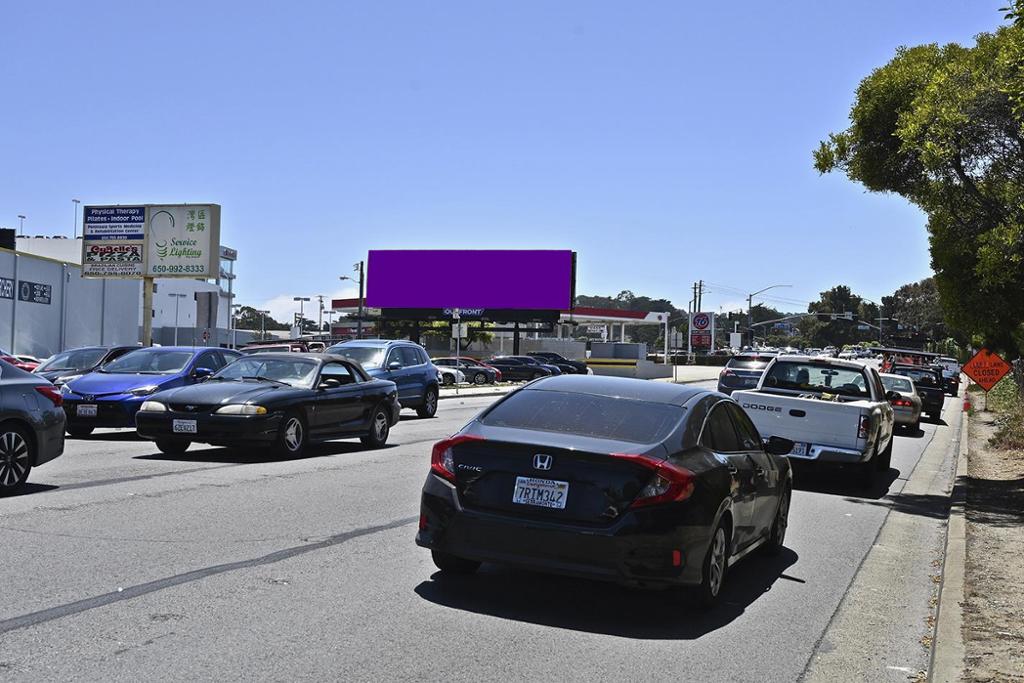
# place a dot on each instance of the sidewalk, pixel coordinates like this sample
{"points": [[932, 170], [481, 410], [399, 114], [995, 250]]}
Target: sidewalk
{"points": [[685, 374]]}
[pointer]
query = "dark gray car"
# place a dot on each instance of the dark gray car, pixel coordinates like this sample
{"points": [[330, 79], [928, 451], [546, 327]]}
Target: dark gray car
{"points": [[31, 425]]}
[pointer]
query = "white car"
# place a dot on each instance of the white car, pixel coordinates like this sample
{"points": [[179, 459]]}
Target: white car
{"points": [[834, 411], [450, 376]]}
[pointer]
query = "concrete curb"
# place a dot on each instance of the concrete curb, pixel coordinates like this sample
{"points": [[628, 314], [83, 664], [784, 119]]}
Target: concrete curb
{"points": [[947, 665]]}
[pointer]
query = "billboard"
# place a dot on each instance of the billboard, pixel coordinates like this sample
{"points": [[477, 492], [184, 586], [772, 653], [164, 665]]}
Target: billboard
{"points": [[179, 240], [533, 279]]}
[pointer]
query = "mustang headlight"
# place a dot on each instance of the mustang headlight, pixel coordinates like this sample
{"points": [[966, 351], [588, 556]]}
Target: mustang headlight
{"points": [[153, 407], [241, 409], [144, 391]]}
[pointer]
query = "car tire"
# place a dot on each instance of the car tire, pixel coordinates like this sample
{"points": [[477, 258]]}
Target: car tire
{"points": [[291, 436], [429, 406], [77, 431], [716, 562], [380, 428], [868, 470], [479, 379], [916, 426], [884, 459], [448, 380], [452, 564], [17, 453], [172, 446], [777, 534]]}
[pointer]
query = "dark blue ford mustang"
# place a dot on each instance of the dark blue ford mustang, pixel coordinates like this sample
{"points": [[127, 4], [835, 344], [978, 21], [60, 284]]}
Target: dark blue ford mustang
{"points": [[638, 482]]}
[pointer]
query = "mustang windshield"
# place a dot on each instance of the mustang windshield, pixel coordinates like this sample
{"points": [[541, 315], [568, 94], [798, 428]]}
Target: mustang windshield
{"points": [[297, 373], [153, 361]]}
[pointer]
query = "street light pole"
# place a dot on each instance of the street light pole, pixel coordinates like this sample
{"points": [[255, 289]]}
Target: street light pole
{"points": [[263, 324], [320, 317], [74, 226], [21, 225], [234, 325], [750, 309], [301, 300], [177, 300]]}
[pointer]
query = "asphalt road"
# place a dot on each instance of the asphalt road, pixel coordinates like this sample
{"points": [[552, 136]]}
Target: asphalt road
{"points": [[122, 563]]}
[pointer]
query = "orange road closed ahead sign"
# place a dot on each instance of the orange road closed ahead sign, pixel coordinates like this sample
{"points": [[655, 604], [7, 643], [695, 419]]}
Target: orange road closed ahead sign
{"points": [[986, 369]]}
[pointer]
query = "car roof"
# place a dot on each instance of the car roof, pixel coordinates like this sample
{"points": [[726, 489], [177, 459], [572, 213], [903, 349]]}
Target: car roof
{"points": [[818, 360], [374, 342], [619, 387]]}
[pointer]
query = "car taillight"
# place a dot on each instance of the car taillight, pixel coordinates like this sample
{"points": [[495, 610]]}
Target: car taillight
{"points": [[902, 403], [863, 427], [442, 461], [53, 394], [726, 373], [669, 483]]}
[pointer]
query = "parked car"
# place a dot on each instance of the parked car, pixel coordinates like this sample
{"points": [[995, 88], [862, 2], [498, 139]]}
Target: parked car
{"points": [[835, 412], [450, 376], [475, 371], [566, 365], [743, 371], [111, 395], [17, 362], [284, 401], [906, 407], [73, 363], [644, 483], [951, 374], [515, 368], [400, 361], [929, 384], [31, 425]]}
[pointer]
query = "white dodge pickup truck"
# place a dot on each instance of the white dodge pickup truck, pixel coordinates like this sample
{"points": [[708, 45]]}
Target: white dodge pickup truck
{"points": [[834, 411]]}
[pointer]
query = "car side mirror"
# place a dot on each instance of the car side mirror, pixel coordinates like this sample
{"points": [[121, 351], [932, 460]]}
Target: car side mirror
{"points": [[776, 445], [329, 383], [892, 395], [202, 373], [394, 365]]}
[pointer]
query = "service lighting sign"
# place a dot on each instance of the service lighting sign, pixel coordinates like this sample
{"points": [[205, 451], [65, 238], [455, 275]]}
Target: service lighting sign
{"points": [[183, 241], [113, 238], [179, 240]]}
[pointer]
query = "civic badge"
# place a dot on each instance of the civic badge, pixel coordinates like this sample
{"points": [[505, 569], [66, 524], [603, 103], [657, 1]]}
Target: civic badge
{"points": [[542, 461]]}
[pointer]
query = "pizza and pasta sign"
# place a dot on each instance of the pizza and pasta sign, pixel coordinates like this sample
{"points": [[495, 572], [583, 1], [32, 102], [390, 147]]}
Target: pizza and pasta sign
{"points": [[151, 240]]}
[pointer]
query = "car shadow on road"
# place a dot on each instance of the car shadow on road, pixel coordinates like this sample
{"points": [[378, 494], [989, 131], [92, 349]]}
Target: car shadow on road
{"points": [[991, 502], [29, 488], [604, 608], [909, 433], [252, 456], [109, 436], [839, 482]]}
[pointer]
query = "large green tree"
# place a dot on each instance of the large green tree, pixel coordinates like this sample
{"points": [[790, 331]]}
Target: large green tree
{"points": [[942, 126]]}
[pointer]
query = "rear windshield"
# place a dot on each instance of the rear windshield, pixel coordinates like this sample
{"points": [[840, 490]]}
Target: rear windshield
{"points": [[817, 378], [748, 363], [76, 359], [922, 377], [600, 417], [897, 384]]}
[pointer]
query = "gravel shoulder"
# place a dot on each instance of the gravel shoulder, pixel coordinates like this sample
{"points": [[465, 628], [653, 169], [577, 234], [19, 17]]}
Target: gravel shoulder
{"points": [[993, 610]]}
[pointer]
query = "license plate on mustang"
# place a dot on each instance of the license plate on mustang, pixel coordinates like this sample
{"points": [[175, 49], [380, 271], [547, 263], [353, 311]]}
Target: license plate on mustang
{"points": [[184, 427], [799, 449], [545, 493], [86, 410]]}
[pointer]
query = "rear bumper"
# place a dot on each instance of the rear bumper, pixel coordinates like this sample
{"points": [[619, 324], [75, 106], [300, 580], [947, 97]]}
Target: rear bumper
{"points": [[833, 454], [213, 429], [633, 551], [906, 416], [49, 438]]}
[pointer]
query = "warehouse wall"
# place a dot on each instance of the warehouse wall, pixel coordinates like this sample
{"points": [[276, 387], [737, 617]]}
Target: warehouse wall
{"points": [[80, 311]]}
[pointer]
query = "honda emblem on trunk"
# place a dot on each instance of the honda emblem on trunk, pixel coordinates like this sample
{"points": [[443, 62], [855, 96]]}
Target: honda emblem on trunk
{"points": [[542, 461]]}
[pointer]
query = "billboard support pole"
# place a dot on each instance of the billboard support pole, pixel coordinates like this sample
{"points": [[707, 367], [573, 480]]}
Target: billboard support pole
{"points": [[147, 311]]}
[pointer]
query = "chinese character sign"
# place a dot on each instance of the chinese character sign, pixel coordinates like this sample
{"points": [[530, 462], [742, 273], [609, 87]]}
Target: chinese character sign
{"points": [[183, 241]]}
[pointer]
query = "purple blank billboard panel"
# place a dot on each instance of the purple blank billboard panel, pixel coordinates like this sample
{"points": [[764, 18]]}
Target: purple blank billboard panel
{"points": [[456, 278]]}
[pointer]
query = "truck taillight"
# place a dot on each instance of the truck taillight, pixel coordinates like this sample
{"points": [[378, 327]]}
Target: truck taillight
{"points": [[864, 427]]}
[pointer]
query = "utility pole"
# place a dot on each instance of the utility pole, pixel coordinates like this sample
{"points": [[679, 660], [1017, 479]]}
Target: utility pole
{"points": [[320, 316], [74, 225], [263, 324], [358, 268], [700, 295]]}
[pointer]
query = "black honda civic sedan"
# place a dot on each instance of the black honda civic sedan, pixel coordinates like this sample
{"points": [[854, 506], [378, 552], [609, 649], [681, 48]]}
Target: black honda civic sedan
{"points": [[642, 483], [279, 400]]}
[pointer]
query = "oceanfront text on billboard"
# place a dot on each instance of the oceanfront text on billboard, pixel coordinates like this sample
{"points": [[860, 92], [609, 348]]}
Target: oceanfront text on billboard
{"points": [[488, 278]]}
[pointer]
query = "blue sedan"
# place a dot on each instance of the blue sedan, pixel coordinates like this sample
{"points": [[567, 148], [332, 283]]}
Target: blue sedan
{"points": [[111, 395]]}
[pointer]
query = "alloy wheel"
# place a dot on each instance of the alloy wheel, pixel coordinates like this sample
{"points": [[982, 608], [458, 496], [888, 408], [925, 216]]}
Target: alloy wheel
{"points": [[14, 459], [717, 564], [782, 521], [293, 434], [380, 427]]}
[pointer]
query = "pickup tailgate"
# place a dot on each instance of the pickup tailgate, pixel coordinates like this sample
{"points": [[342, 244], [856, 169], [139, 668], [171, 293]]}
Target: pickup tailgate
{"points": [[809, 420]]}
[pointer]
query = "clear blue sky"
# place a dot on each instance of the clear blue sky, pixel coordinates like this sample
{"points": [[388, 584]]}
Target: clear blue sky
{"points": [[664, 141]]}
